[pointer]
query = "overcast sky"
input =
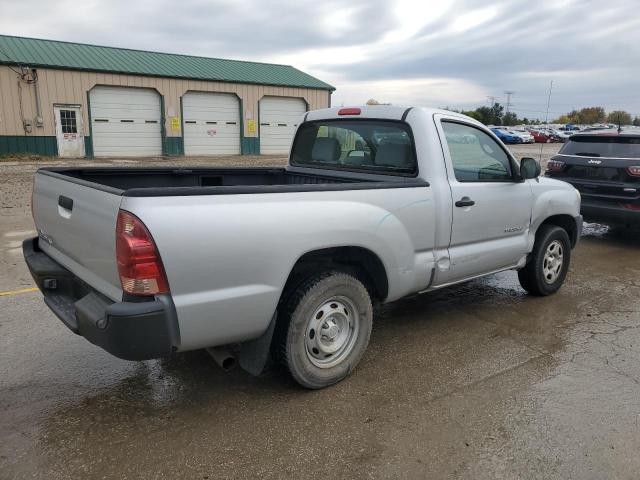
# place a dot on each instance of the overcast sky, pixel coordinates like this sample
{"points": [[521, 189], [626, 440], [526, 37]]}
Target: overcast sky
{"points": [[441, 53]]}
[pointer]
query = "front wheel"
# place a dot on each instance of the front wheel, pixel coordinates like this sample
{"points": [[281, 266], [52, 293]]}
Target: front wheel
{"points": [[549, 262], [324, 329]]}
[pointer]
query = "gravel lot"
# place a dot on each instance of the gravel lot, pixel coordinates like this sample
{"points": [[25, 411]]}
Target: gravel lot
{"points": [[478, 381]]}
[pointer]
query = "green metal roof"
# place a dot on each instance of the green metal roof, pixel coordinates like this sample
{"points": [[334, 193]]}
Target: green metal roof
{"points": [[35, 52]]}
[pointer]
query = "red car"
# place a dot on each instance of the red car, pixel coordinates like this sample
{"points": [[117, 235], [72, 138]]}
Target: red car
{"points": [[541, 136]]}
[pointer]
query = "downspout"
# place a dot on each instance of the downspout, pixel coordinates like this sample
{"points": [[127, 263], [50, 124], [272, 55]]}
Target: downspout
{"points": [[36, 89]]}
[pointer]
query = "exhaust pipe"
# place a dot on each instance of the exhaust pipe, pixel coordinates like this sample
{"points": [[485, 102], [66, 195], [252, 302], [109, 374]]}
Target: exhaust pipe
{"points": [[222, 357]]}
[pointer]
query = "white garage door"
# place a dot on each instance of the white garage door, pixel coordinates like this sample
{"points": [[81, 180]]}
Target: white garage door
{"points": [[125, 122], [279, 118], [211, 123]]}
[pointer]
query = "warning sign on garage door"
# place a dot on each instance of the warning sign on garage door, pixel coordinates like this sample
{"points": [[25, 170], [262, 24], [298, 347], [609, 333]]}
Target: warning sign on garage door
{"points": [[175, 124]]}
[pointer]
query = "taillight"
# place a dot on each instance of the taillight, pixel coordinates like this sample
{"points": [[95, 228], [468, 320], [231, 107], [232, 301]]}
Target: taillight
{"points": [[139, 264], [632, 206], [349, 111], [555, 166], [635, 171]]}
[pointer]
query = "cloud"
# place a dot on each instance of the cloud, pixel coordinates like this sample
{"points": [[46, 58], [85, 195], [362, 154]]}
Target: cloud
{"points": [[444, 52], [424, 91], [473, 19]]}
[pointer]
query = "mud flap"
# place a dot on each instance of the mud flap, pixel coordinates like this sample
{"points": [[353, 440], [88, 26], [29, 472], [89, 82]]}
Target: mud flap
{"points": [[254, 355]]}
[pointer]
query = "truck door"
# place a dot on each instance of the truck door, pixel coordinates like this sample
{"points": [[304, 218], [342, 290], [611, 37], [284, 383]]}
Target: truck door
{"points": [[491, 208]]}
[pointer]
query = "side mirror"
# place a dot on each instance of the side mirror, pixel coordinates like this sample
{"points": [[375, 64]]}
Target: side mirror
{"points": [[529, 168]]}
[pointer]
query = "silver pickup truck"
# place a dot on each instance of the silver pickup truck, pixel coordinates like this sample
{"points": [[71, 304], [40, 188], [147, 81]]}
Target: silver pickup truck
{"points": [[288, 263]]}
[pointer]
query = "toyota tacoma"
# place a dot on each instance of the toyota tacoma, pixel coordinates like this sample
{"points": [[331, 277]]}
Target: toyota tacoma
{"points": [[376, 203]]}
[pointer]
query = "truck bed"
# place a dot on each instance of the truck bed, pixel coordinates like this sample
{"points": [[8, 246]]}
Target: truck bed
{"points": [[150, 182]]}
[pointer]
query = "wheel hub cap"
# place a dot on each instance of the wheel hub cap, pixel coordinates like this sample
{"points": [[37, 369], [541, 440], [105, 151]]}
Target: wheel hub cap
{"points": [[553, 261], [332, 331]]}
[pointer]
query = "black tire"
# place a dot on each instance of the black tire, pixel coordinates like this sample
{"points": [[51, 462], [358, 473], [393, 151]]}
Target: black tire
{"points": [[302, 315], [533, 277]]}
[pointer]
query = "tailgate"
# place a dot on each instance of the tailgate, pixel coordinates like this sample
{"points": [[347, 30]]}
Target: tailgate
{"points": [[603, 177], [76, 223]]}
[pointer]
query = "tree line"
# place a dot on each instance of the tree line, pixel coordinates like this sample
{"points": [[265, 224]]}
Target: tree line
{"points": [[590, 115], [495, 115]]}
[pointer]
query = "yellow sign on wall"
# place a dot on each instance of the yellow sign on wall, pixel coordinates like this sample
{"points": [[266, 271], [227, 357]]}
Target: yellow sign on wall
{"points": [[175, 124], [251, 127]]}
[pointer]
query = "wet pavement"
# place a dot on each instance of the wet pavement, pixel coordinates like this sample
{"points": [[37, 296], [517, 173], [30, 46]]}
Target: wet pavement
{"points": [[479, 381]]}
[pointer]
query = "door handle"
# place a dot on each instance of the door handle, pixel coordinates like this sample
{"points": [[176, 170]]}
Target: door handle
{"points": [[465, 202], [65, 202]]}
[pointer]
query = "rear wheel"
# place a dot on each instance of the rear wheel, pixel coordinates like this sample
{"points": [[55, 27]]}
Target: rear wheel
{"points": [[324, 329], [549, 262]]}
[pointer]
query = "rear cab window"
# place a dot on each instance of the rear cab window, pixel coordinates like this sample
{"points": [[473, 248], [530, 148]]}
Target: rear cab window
{"points": [[373, 146], [611, 146]]}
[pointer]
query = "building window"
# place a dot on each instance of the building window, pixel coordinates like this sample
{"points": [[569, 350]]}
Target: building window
{"points": [[68, 121]]}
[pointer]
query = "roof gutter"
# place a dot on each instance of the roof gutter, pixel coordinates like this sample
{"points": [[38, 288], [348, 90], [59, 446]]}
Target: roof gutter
{"points": [[327, 87]]}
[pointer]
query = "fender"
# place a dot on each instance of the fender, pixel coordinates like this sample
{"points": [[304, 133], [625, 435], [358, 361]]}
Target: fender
{"points": [[551, 197]]}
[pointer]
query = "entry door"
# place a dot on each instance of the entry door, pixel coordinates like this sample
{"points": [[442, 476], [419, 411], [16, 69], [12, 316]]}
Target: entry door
{"points": [[491, 210], [69, 131]]}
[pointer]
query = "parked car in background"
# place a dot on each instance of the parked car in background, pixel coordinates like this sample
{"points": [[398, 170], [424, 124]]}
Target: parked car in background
{"points": [[524, 135], [248, 262], [605, 168], [600, 126], [505, 136], [541, 136], [562, 135], [596, 128], [570, 127], [555, 134]]}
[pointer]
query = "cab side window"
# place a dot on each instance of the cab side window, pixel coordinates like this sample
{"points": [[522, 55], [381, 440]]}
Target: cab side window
{"points": [[476, 157]]}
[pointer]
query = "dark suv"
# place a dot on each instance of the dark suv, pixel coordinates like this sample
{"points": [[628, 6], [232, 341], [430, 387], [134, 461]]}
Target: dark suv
{"points": [[605, 168]]}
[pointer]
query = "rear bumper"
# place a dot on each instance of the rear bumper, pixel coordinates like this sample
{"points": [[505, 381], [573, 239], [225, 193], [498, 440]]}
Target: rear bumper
{"points": [[138, 330], [603, 200], [609, 213]]}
